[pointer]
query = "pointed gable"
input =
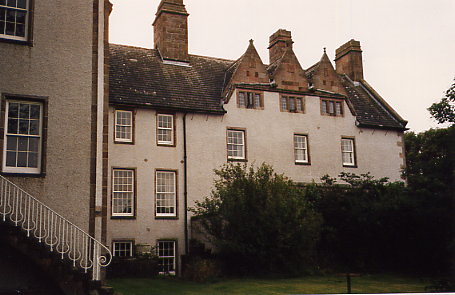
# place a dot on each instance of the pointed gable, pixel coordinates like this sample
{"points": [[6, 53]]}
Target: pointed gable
{"points": [[249, 68], [288, 73], [324, 77]]}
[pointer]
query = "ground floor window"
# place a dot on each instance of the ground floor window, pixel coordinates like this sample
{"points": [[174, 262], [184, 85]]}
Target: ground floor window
{"points": [[23, 137], [167, 257], [122, 248]]}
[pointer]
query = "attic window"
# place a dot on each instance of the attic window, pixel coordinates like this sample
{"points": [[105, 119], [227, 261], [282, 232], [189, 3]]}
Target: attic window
{"points": [[293, 104], [250, 100], [332, 107]]}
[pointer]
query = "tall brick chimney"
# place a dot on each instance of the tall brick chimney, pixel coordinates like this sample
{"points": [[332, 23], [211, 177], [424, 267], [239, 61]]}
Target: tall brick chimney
{"points": [[278, 43], [171, 30], [348, 60]]}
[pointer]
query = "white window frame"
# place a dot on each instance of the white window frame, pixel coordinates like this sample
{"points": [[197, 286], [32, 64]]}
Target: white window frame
{"points": [[173, 257], [349, 152], [26, 25], [242, 144], [115, 249], [130, 192], [304, 149], [168, 195], [15, 169], [158, 127], [116, 125]]}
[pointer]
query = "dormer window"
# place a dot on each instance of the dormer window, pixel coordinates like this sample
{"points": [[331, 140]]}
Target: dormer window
{"points": [[250, 100], [293, 104], [332, 107], [14, 19]]}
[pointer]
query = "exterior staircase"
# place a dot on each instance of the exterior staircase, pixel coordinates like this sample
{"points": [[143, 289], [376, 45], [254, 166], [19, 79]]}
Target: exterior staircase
{"points": [[52, 231]]}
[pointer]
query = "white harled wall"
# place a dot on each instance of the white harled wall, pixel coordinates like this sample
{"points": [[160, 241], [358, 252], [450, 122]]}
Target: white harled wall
{"points": [[269, 138]]}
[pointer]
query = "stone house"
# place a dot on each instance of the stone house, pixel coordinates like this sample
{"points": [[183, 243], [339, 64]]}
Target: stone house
{"points": [[53, 169], [174, 117]]}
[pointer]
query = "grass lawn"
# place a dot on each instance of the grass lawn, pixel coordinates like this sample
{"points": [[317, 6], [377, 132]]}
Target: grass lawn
{"points": [[302, 285]]}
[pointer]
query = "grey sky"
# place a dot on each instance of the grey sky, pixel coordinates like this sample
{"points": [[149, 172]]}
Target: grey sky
{"points": [[408, 45]]}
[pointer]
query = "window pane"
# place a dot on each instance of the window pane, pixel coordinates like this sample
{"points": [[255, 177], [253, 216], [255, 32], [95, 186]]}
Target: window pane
{"points": [[10, 16], [23, 126], [242, 103], [33, 160], [11, 159], [331, 107], [257, 100], [33, 144], [34, 127], [22, 4], [292, 103], [13, 110], [11, 3], [20, 17], [9, 29], [338, 108], [12, 125], [22, 159], [298, 103], [11, 143], [20, 30], [284, 103], [324, 107], [23, 144]]}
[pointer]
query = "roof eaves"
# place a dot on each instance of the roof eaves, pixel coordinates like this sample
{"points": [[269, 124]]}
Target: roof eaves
{"points": [[382, 102]]}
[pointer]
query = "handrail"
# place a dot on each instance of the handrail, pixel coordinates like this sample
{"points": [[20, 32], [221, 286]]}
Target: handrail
{"points": [[49, 227]]}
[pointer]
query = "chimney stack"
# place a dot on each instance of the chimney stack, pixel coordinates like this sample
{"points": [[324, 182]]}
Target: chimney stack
{"points": [[171, 30], [278, 43], [348, 60]]}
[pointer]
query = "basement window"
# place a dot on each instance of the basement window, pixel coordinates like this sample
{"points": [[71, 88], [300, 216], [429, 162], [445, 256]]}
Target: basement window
{"points": [[122, 248], [166, 251]]}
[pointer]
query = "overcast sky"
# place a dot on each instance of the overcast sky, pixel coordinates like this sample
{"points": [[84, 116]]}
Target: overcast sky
{"points": [[408, 45]]}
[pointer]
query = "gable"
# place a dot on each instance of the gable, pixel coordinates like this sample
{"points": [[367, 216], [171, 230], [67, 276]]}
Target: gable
{"points": [[288, 73], [324, 77]]}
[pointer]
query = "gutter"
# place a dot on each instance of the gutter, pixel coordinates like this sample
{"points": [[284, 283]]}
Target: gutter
{"points": [[185, 186]]}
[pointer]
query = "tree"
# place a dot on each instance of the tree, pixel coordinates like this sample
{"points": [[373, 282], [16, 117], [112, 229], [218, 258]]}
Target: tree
{"points": [[430, 171], [444, 111], [259, 221]]}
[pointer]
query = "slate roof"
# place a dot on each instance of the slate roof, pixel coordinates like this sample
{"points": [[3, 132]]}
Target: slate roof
{"points": [[370, 109], [138, 77]]}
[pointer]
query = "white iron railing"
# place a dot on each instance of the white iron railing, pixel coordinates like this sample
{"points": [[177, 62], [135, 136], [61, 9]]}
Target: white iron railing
{"points": [[49, 227]]}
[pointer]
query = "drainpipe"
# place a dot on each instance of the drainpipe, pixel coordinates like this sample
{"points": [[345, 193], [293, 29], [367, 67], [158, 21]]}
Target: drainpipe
{"points": [[185, 186]]}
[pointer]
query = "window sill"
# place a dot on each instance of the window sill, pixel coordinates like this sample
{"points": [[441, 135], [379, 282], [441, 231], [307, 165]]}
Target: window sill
{"points": [[31, 175], [124, 217], [166, 144], [237, 160], [166, 217], [124, 142], [350, 166], [303, 163], [17, 42]]}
